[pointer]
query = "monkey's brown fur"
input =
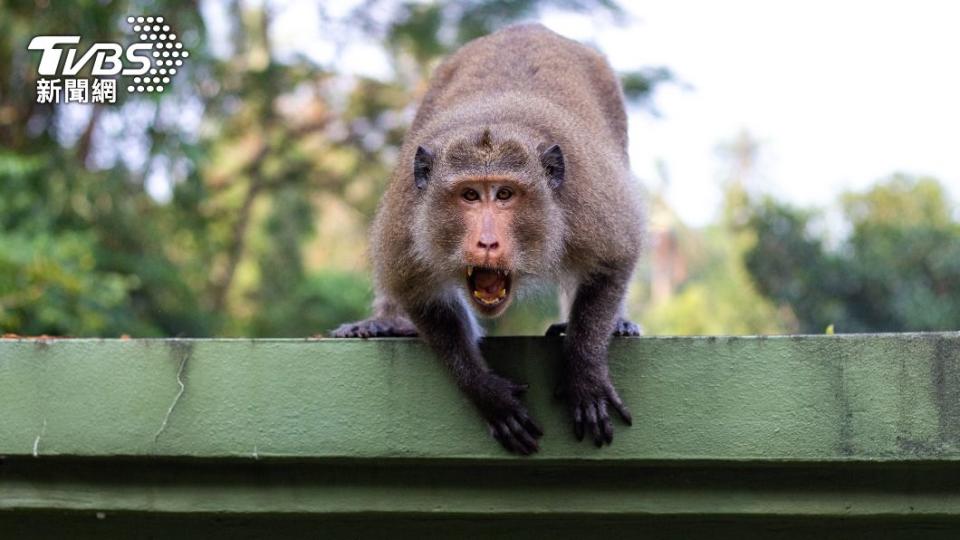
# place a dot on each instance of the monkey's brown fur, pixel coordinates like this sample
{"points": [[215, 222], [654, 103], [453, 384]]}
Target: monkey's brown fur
{"points": [[493, 108]]}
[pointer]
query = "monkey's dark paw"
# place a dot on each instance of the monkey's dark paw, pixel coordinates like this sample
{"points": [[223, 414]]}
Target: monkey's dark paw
{"points": [[627, 328], [498, 400], [376, 327], [623, 328], [589, 401]]}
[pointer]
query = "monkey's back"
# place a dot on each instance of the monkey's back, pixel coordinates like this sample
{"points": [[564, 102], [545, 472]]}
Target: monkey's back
{"points": [[529, 60]]}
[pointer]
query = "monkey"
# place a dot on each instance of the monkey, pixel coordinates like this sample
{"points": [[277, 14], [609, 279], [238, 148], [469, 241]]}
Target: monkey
{"points": [[514, 173]]}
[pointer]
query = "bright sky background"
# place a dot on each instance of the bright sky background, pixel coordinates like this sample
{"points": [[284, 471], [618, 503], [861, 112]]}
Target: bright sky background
{"points": [[839, 93]]}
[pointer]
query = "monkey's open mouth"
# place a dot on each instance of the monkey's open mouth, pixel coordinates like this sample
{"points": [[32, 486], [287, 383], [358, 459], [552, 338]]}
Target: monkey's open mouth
{"points": [[489, 287]]}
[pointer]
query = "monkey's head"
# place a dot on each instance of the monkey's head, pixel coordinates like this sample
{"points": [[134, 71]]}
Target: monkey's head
{"points": [[487, 212]]}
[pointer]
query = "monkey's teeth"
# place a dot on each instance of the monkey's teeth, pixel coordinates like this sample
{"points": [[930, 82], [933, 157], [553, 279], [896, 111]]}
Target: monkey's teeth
{"points": [[503, 292], [469, 271], [491, 302]]}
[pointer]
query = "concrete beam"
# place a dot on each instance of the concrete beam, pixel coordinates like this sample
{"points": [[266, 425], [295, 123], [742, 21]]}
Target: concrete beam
{"points": [[852, 432]]}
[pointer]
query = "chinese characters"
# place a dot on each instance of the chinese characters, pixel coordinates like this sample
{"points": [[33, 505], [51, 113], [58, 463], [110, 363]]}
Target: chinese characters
{"points": [[76, 90]]}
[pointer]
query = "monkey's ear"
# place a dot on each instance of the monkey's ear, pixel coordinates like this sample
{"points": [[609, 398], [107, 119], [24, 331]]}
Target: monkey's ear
{"points": [[552, 161], [422, 165]]}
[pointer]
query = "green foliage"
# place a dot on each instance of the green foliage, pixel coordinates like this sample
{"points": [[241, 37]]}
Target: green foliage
{"points": [[719, 297], [899, 270], [417, 30], [49, 284], [791, 265], [901, 201], [315, 305]]}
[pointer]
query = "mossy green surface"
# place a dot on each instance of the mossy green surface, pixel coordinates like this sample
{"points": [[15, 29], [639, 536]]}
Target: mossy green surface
{"points": [[858, 397]]}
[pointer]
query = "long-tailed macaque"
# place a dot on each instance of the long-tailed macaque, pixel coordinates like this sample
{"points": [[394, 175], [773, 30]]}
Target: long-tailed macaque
{"points": [[514, 172]]}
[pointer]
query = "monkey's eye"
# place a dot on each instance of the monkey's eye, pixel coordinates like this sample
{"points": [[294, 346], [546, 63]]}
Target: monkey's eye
{"points": [[470, 195], [504, 194]]}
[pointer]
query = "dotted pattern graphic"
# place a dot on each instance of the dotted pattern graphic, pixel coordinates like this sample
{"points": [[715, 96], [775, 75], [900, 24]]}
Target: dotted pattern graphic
{"points": [[168, 53]]}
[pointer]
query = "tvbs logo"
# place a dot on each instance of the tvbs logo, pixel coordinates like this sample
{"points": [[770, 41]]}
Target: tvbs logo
{"points": [[147, 65]]}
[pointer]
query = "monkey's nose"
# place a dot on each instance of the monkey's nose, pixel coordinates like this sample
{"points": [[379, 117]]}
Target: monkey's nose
{"points": [[488, 244]]}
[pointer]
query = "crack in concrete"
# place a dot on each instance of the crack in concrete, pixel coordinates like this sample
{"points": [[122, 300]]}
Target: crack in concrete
{"points": [[176, 399], [36, 442]]}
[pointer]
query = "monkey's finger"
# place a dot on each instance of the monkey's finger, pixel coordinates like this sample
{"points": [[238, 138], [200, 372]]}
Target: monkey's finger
{"points": [[520, 389], [628, 328], [502, 434], [594, 424], [518, 445], [606, 426], [509, 440], [577, 423], [530, 425], [520, 435], [624, 413], [495, 433], [622, 409]]}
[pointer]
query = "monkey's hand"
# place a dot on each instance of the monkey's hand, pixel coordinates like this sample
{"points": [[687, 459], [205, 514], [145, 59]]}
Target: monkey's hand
{"points": [[623, 327], [376, 327], [498, 400], [590, 394]]}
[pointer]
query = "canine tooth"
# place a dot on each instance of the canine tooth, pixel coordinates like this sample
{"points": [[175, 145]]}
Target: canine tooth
{"points": [[476, 294], [469, 271], [503, 292]]}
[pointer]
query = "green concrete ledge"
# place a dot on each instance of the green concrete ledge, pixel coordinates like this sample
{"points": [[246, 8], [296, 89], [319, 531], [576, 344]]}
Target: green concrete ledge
{"points": [[787, 435]]}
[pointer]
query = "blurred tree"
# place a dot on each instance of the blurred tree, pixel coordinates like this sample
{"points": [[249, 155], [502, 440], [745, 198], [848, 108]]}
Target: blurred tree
{"points": [[899, 269], [236, 201], [718, 296], [78, 241]]}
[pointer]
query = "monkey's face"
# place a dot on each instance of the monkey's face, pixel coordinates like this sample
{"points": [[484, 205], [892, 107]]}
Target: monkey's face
{"points": [[488, 216], [491, 233], [488, 207]]}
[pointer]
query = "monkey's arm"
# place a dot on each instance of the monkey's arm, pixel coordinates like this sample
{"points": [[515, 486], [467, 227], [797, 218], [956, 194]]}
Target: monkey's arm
{"points": [[448, 329], [586, 378]]}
